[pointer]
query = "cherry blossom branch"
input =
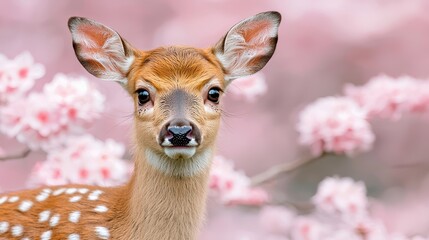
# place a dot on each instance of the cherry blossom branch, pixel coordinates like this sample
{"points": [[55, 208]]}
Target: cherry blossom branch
{"points": [[22, 154], [280, 169], [301, 207]]}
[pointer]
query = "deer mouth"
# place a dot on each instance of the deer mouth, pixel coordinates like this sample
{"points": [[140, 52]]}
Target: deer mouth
{"points": [[179, 148], [179, 142], [180, 152]]}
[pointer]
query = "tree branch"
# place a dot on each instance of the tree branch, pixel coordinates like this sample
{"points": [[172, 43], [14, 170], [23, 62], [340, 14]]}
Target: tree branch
{"points": [[22, 154], [280, 169], [303, 207]]}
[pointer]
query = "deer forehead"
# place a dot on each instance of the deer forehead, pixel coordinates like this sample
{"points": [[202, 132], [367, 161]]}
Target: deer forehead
{"points": [[169, 68]]}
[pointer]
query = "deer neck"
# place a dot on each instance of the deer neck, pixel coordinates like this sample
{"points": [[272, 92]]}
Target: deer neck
{"points": [[166, 206]]}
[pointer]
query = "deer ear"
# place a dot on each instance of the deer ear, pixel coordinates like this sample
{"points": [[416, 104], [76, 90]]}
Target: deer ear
{"points": [[248, 45], [100, 49]]}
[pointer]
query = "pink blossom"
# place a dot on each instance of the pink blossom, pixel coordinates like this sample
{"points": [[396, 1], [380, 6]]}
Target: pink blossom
{"points": [[343, 234], [373, 17], [307, 228], [341, 212], [11, 120], [371, 229], [232, 186], [388, 97], [76, 97], [418, 238], [44, 119], [30, 124], [83, 160], [335, 124], [276, 219], [42, 115], [342, 196], [17, 76], [249, 88]]}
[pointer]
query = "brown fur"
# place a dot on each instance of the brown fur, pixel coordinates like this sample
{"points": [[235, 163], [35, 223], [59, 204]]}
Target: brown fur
{"points": [[167, 69], [163, 207], [154, 205], [174, 204], [58, 204]]}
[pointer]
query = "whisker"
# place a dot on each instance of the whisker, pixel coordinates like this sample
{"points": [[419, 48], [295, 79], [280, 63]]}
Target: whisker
{"points": [[125, 118], [122, 118]]}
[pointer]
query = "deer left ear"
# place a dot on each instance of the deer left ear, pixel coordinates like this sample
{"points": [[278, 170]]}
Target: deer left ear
{"points": [[248, 45], [101, 50]]}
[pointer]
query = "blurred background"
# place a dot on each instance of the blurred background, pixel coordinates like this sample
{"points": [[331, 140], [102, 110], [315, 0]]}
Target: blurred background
{"points": [[322, 45]]}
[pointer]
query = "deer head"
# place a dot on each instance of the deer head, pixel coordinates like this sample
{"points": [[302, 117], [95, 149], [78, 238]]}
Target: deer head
{"points": [[177, 91]]}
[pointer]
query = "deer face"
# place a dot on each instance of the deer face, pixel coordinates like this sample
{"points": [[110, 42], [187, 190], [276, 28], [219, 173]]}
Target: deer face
{"points": [[176, 90]]}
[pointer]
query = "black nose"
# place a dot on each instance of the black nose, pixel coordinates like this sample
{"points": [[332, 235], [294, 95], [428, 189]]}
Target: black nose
{"points": [[180, 135], [179, 130]]}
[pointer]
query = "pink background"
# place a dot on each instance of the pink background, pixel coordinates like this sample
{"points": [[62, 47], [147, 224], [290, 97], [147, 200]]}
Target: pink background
{"points": [[322, 46]]}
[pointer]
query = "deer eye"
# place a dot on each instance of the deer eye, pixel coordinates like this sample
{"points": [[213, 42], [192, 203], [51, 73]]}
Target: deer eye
{"points": [[143, 96], [213, 95]]}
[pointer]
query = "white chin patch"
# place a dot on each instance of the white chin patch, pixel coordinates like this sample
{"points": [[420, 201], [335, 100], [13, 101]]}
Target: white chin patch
{"points": [[167, 162], [180, 152]]}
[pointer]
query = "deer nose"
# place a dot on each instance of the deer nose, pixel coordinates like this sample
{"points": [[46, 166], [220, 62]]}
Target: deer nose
{"points": [[179, 133]]}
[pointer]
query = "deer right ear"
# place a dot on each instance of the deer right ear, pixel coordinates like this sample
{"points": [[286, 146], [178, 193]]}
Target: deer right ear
{"points": [[248, 45], [100, 49]]}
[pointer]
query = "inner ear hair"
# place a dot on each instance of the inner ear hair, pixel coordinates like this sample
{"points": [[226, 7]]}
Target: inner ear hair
{"points": [[101, 50], [248, 45]]}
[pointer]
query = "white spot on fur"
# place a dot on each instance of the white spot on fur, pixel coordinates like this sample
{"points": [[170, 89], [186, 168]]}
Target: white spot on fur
{"points": [[44, 216], [101, 209], [46, 235], [193, 143], [55, 219], [25, 206], [13, 199], [4, 226], [47, 190], [94, 195], [71, 191], [75, 198], [83, 190], [102, 232], [166, 143], [179, 167], [42, 196], [74, 217], [17, 230], [3, 200], [26, 238], [59, 191], [73, 236]]}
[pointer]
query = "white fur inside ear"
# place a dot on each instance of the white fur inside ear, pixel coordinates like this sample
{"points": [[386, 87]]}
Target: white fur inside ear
{"points": [[246, 41], [101, 44]]}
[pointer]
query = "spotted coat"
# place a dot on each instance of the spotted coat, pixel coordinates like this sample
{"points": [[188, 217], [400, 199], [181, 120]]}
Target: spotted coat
{"points": [[73, 212]]}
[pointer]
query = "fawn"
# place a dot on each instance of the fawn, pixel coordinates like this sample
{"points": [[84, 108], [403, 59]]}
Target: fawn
{"points": [[176, 92]]}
